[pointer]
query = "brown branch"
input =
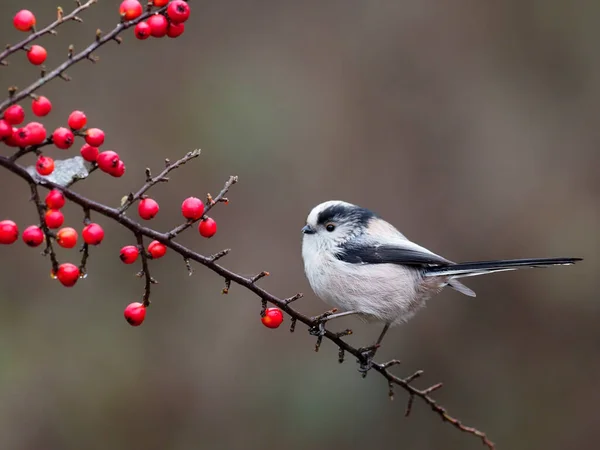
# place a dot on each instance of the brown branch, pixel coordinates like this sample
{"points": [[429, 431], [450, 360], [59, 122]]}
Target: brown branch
{"points": [[50, 29], [84, 54], [161, 177], [210, 204], [249, 283]]}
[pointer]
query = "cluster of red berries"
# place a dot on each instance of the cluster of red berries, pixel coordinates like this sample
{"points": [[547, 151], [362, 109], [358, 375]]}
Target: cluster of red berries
{"points": [[34, 134], [66, 237], [171, 23]]}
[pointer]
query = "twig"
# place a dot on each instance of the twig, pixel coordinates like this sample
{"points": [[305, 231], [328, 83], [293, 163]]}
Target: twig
{"points": [[84, 54], [161, 177], [179, 229], [145, 272], [41, 209], [50, 29]]}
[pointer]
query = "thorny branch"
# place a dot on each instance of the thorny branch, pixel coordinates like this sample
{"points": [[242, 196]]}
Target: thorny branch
{"points": [[167, 238], [250, 284], [50, 29], [59, 72]]}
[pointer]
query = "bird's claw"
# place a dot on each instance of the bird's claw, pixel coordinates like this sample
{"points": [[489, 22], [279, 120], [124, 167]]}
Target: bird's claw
{"points": [[318, 329], [366, 358]]}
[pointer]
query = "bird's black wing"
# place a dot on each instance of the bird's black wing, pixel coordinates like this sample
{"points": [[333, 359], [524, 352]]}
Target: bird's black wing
{"points": [[359, 253]]}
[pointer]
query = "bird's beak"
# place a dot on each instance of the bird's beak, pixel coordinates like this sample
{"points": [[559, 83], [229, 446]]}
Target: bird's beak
{"points": [[307, 229]]}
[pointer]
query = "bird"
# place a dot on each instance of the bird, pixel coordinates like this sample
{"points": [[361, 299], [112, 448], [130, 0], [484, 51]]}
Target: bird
{"points": [[362, 265]]}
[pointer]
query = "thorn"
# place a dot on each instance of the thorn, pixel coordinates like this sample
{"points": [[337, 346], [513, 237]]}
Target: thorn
{"points": [[118, 39], [77, 19], [219, 255], [293, 324], [433, 388], [64, 76], [255, 278], [413, 377], [53, 32], [346, 332], [299, 295], [391, 363]]}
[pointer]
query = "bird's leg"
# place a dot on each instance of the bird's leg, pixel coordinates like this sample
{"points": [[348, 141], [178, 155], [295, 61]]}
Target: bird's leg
{"points": [[319, 328], [368, 353]]}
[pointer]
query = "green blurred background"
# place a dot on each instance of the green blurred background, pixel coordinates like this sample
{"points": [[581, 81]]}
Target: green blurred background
{"points": [[472, 126]]}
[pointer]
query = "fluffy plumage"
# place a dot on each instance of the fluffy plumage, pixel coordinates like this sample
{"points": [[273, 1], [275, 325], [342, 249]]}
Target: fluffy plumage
{"points": [[356, 261]]}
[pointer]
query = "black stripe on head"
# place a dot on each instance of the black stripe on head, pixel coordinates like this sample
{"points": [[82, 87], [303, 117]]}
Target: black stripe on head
{"points": [[345, 213]]}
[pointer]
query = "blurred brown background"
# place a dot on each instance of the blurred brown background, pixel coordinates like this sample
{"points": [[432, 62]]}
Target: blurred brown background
{"points": [[472, 126]]}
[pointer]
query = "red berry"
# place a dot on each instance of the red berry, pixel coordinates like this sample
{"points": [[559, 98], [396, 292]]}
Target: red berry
{"points": [[175, 29], [54, 218], [129, 254], [178, 11], [272, 318], [158, 25], [119, 170], [44, 165], [37, 133], [130, 9], [63, 138], [24, 20], [157, 250], [21, 137], [207, 227], [14, 114], [66, 237], [77, 120], [9, 232], [192, 208], [6, 129], [68, 274], [41, 106], [33, 236], [147, 208], [55, 199], [89, 153], [92, 234], [94, 137], [160, 3], [107, 161], [135, 313], [37, 55], [11, 141], [142, 31]]}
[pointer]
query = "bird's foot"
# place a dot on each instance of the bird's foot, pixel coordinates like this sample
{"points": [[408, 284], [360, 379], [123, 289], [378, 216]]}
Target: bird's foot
{"points": [[366, 358], [318, 329]]}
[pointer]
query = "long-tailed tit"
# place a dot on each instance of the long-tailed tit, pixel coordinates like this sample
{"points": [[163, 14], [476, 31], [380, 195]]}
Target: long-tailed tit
{"points": [[360, 264]]}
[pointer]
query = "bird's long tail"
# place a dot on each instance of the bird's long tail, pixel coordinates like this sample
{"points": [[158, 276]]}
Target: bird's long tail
{"points": [[470, 269]]}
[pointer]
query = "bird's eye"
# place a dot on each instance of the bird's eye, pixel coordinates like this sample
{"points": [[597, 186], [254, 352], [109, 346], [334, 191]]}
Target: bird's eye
{"points": [[330, 227]]}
